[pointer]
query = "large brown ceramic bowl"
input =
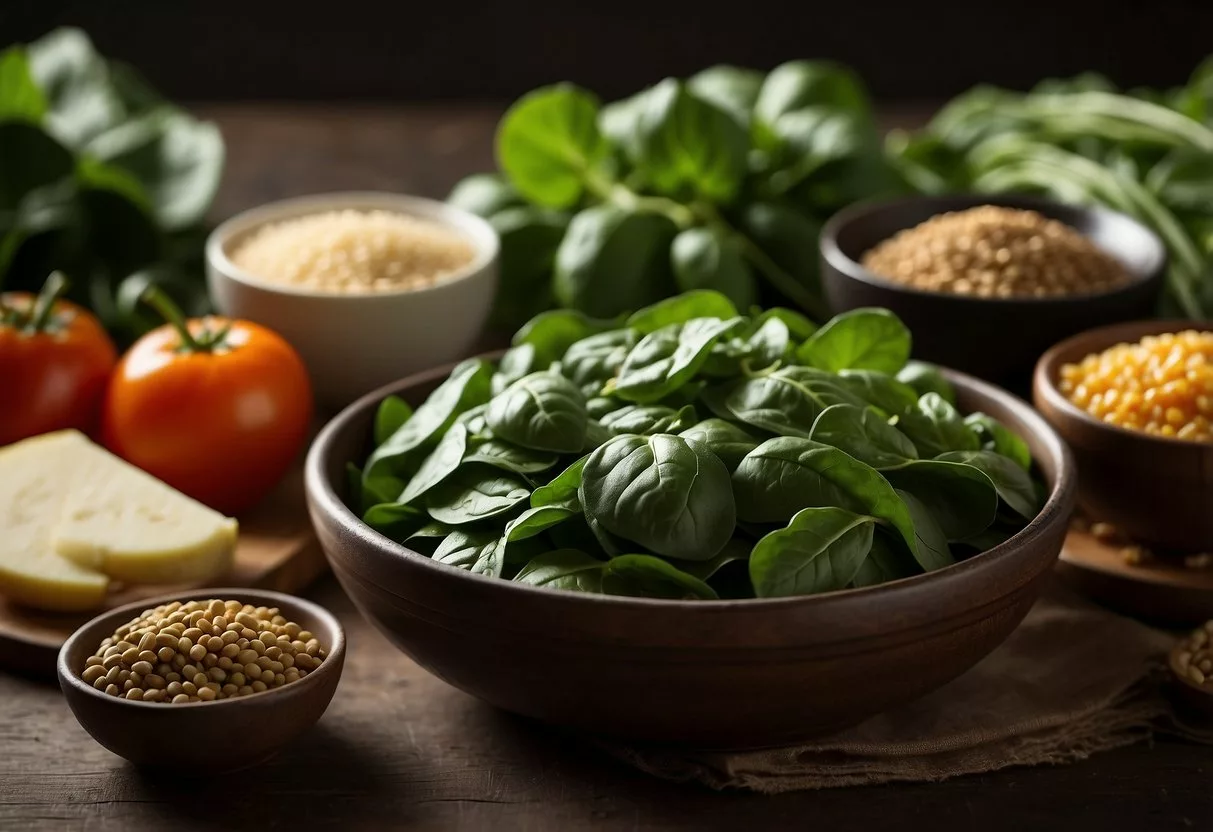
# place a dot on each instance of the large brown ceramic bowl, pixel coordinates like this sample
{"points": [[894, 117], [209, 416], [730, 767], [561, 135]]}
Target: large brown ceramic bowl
{"points": [[1155, 489], [203, 736], [1002, 337], [722, 674]]}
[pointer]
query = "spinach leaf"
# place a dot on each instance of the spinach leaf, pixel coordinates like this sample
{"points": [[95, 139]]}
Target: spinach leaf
{"points": [[548, 143], [394, 520], [932, 542], [508, 457], [480, 552], [514, 364], [393, 412], [535, 521], [467, 386], [599, 406], [436, 467], [595, 359], [707, 258], [788, 241], [862, 339], [880, 390], [485, 194], [528, 239], [730, 88], [1011, 482], [667, 358], [561, 491], [686, 144], [681, 309], [645, 576], [595, 435], [961, 498], [786, 474], [885, 562], [760, 345], [552, 333], [786, 401], [726, 440], [799, 327], [668, 494], [735, 550], [645, 420], [798, 84], [821, 550], [999, 439], [374, 490], [612, 261], [935, 427], [863, 434], [473, 420], [542, 411], [925, 378], [473, 493], [568, 569]]}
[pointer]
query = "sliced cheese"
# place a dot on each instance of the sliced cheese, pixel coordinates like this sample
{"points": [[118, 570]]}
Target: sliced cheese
{"points": [[120, 520], [33, 476]]}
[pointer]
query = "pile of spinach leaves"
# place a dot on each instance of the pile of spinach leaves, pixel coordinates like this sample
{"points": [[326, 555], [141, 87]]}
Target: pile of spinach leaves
{"points": [[1145, 153], [689, 451], [100, 179], [720, 181]]}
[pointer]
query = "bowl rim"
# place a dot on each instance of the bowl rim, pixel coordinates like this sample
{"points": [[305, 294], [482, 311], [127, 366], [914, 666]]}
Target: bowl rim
{"points": [[1044, 376], [846, 265], [476, 230], [1056, 508], [331, 664]]}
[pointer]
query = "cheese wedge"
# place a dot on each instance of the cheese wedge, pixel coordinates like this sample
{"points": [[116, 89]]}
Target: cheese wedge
{"points": [[123, 522], [32, 490]]}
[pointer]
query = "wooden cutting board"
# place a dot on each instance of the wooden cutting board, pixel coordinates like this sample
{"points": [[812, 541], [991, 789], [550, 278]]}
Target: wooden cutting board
{"points": [[1160, 590], [276, 550]]}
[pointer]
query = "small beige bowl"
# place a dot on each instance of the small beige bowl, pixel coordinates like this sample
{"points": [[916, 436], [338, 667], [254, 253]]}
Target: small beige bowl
{"points": [[356, 343], [207, 736]]}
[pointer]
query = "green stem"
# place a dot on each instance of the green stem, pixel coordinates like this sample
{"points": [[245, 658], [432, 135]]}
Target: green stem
{"points": [[44, 306], [205, 341]]}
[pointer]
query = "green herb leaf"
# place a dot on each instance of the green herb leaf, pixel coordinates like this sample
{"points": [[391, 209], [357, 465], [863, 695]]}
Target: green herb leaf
{"points": [[668, 494], [996, 437], [645, 576], [680, 309], [935, 427], [787, 401], [542, 411], [925, 378], [863, 434], [475, 493], [726, 440], [862, 339], [667, 358], [563, 490], [820, 551], [508, 457], [1010, 480], [567, 569], [961, 498], [880, 390], [393, 412], [548, 144], [479, 552], [707, 258], [612, 261], [687, 145], [440, 464], [646, 420]]}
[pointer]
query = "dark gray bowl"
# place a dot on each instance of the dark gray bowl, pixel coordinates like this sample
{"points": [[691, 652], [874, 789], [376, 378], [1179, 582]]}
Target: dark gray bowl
{"points": [[994, 338], [724, 674]]}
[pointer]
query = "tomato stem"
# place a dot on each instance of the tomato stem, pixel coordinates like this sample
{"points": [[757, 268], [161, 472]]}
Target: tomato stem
{"points": [[205, 341]]}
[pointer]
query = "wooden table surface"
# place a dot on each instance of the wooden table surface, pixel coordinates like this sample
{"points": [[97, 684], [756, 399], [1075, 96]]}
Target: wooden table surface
{"points": [[399, 749]]}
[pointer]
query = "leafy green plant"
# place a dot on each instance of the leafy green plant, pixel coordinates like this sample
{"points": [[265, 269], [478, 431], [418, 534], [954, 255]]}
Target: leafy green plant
{"points": [[1141, 152], [101, 179], [690, 452], [717, 182]]}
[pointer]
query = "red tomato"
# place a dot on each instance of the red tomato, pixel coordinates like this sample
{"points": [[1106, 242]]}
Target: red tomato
{"points": [[55, 359], [218, 414]]}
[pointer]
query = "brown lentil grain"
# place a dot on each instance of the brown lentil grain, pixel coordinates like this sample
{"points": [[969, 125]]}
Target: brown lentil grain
{"points": [[222, 654], [991, 251]]}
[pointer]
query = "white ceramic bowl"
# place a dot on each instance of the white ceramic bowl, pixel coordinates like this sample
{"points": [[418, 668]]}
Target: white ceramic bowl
{"points": [[356, 343]]}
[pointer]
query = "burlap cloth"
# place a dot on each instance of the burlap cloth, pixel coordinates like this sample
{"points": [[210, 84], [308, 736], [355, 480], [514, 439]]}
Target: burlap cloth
{"points": [[1072, 680]]}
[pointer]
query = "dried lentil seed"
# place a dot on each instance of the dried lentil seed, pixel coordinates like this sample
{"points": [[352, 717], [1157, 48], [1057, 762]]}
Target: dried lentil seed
{"points": [[197, 652]]}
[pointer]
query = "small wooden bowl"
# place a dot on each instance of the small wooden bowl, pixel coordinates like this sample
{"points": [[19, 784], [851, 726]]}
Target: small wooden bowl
{"points": [[712, 674], [207, 736], [994, 338], [1158, 491], [1194, 702]]}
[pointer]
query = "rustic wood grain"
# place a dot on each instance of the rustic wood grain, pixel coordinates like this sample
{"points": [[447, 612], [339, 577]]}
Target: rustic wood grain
{"points": [[400, 749]]}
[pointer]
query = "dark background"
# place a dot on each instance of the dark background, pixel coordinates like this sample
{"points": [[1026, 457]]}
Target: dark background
{"points": [[407, 50]]}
